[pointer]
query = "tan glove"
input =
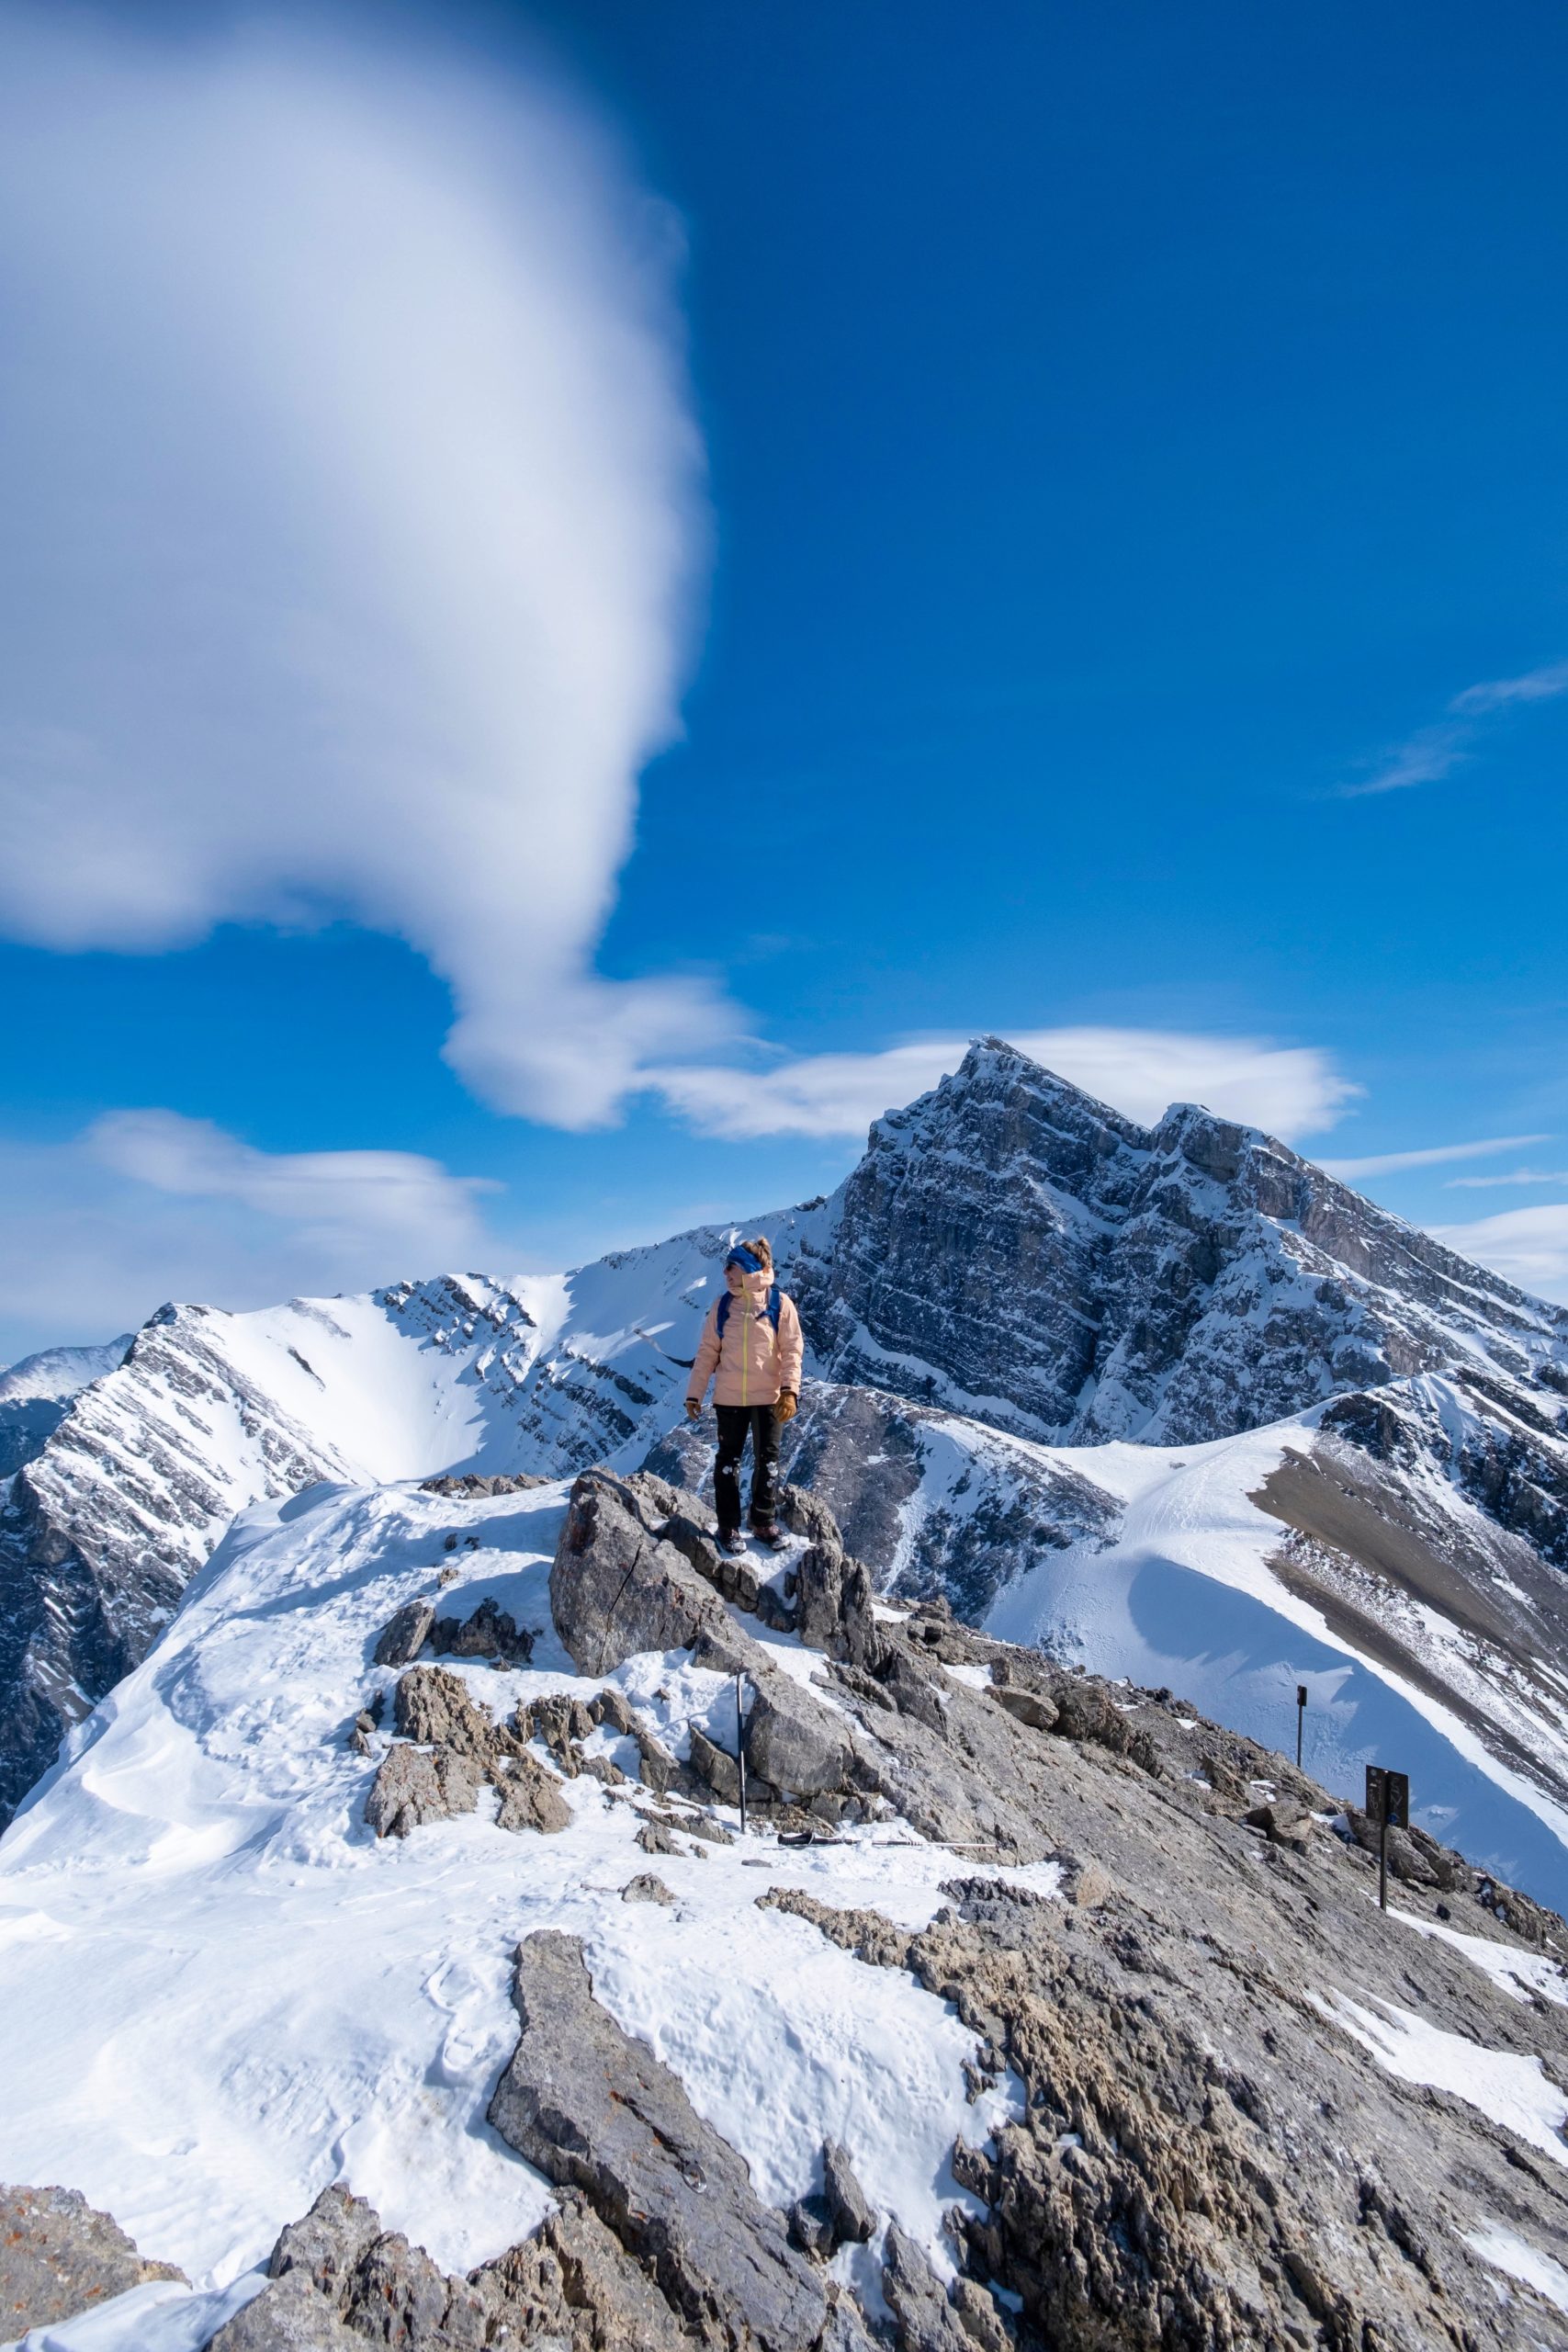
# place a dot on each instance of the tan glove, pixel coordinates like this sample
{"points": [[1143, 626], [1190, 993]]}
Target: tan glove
{"points": [[786, 1408], [693, 1408]]}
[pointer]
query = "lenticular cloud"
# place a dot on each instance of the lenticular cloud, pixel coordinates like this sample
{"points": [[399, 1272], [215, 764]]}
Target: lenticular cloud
{"points": [[353, 507]]}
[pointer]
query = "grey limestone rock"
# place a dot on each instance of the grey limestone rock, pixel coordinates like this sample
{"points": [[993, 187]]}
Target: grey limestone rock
{"points": [[474, 1482], [794, 1742], [833, 1596], [646, 1887], [617, 1588], [289, 2315], [1029, 1707], [489, 1632], [610, 1706], [338, 2281], [447, 1750], [530, 1797], [853, 2219], [927, 2321], [811, 2226], [716, 1767], [405, 1634], [598, 2113], [58, 2256], [432, 1705], [413, 1785]]}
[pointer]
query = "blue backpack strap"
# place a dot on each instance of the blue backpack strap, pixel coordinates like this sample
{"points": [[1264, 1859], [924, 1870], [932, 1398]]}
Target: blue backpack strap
{"points": [[722, 1318]]}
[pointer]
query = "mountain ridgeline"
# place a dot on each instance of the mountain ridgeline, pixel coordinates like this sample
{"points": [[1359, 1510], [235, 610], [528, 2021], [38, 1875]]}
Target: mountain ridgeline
{"points": [[1012, 1278]]}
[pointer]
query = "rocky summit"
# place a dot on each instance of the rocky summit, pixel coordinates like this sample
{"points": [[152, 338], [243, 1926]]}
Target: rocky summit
{"points": [[1020, 2008]]}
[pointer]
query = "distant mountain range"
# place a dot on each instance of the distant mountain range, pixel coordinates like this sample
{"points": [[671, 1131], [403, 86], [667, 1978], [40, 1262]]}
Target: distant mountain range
{"points": [[1170, 1401]]}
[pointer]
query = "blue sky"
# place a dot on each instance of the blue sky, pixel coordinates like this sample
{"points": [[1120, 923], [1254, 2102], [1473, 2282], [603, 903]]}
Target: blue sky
{"points": [[694, 541]]}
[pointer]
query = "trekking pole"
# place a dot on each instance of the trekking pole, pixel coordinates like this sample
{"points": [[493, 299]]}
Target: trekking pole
{"points": [[741, 1744], [1301, 1711]]}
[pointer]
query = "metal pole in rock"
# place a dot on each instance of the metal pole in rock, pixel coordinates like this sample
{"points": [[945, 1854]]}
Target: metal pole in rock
{"points": [[1301, 1711], [741, 1743]]}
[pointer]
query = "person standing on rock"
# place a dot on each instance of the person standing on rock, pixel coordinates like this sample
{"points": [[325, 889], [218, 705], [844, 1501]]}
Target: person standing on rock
{"points": [[752, 1351]]}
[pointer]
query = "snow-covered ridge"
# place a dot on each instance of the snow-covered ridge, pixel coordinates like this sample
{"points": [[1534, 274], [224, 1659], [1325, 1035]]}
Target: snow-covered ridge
{"points": [[35, 1394], [339, 2003]]}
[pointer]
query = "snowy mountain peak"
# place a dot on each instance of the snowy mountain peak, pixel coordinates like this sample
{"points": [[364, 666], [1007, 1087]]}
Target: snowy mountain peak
{"points": [[1011, 1248]]}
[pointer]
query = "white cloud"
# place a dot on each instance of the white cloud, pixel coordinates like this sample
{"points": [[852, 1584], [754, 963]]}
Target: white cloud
{"points": [[1511, 1176], [335, 1199], [1536, 685], [1525, 1246], [1387, 1163], [147, 1205], [1433, 752], [353, 520], [1289, 1090]]}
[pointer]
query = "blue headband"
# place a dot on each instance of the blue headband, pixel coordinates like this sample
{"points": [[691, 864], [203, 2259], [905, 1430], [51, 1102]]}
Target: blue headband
{"points": [[741, 1256]]}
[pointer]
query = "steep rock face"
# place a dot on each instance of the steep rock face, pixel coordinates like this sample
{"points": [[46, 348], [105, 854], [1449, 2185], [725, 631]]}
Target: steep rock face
{"points": [[1012, 1249]]}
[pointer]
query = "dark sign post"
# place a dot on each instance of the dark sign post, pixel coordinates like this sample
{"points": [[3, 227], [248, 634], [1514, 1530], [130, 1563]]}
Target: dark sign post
{"points": [[1388, 1804], [741, 1743], [1301, 1711]]}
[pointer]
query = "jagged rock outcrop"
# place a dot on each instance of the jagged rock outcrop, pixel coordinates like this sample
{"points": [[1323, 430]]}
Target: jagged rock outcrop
{"points": [[338, 2280], [447, 1749], [58, 2258]]}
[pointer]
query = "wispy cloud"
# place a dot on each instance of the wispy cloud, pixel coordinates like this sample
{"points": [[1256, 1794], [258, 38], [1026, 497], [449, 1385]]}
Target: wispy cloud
{"points": [[147, 1205], [1388, 1163], [353, 519], [1289, 1090], [1433, 752], [1536, 685], [1512, 1176], [333, 1201], [1525, 1246]]}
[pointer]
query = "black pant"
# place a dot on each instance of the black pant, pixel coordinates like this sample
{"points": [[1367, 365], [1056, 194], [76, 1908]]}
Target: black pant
{"points": [[736, 1423]]}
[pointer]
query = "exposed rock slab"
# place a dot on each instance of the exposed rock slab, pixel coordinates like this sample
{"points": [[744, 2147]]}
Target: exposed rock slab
{"points": [[617, 1587], [597, 2113]]}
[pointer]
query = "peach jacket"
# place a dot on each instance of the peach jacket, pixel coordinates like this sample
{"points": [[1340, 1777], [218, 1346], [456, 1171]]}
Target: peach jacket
{"points": [[753, 1363]]}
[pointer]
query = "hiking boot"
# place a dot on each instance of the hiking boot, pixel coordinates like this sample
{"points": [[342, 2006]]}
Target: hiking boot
{"points": [[768, 1534], [730, 1542]]}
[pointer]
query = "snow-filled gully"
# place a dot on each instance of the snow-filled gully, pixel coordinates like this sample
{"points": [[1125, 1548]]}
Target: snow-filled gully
{"points": [[223, 1991]]}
